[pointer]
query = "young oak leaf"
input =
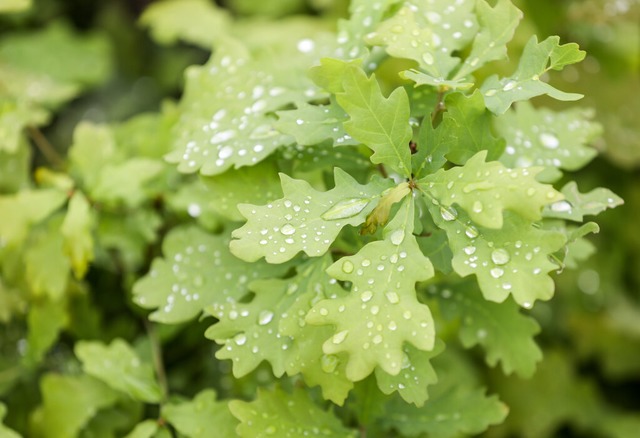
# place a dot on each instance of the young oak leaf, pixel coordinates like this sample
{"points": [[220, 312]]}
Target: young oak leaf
{"points": [[380, 123], [305, 219], [76, 229], [196, 271], [277, 413], [197, 418], [497, 26], [119, 366], [513, 260], [381, 312], [577, 205], [543, 137], [227, 108], [537, 59], [416, 375], [272, 328], [505, 334], [486, 189]]}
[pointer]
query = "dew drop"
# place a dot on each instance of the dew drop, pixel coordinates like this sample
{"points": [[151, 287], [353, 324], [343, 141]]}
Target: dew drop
{"points": [[509, 86], [329, 363], [340, 337], [345, 208], [393, 297], [531, 191], [469, 250], [471, 232], [407, 314], [448, 213], [500, 256], [428, 58], [561, 207], [240, 339], [549, 141], [527, 305], [194, 210], [366, 296], [377, 339], [225, 152], [477, 207], [347, 267], [497, 272], [397, 237], [265, 317], [287, 229], [491, 92]]}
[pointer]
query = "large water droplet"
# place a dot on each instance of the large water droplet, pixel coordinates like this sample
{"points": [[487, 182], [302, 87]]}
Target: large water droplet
{"points": [[287, 229], [428, 58], [329, 363], [345, 208], [392, 297], [471, 232], [340, 337], [500, 256], [448, 213], [225, 152], [477, 207], [377, 339], [265, 317], [240, 339], [347, 267], [509, 85], [549, 141], [497, 272], [397, 237], [480, 185], [366, 296], [561, 207], [469, 250]]}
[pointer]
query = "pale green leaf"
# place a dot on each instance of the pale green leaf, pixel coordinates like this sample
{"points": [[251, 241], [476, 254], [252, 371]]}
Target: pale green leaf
{"points": [[486, 189], [24, 209], [119, 366], [15, 167], [12, 302], [197, 270], [421, 78], [416, 374], [329, 75], [77, 232], [281, 414], [227, 110], [15, 116], [497, 26], [126, 182], [505, 334], [4, 430], [7, 6], [381, 313], [513, 260], [69, 402], [304, 220], [47, 267], [93, 146], [46, 320], [525, 83], [380, 123], [575, 205], [472, 132], [542, 137], [201, 417], [380, 214], [146, 429], [199, 22], [313, 124]]}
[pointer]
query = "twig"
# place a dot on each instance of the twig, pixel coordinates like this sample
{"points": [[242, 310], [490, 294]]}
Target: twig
{"points": [[439, 106], [158, 363], [45, 147]]}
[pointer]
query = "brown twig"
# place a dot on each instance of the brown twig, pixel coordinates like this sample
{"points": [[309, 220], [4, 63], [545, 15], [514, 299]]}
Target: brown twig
{"points": [[45, 147]]}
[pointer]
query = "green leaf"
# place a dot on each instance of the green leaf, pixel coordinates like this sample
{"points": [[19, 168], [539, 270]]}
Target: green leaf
{"points": [[199, 22], [364, 15], [304, 220], [456, 406], [15, 167], [536, 60], [69, 402], [577, 205], [505, 334], [497, 26], [15, 116], [542, 137], [313, 124], [197, 270], [93, 146], [226, 110], [47, 267], [432, 146], [280, 414], [380, 214], [119, 366], [513, 260], [472, 128], [381, 312], [416, 374], [200, 417], [12, 302], [8, 6], [126, 182], [76, 230], [485, 190], [24, 209], [329, 75], [146, 429], [46, 320], [435, 246], [380, 123], [4, 430]]}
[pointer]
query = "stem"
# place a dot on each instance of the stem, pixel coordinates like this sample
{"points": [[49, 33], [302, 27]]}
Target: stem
{"points": [[45, 147], [439, 108], [383, 171], [158, 364]]}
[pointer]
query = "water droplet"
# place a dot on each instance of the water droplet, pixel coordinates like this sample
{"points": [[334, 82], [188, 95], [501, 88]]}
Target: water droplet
{"points": [[448, 213], [345, 208], [265, 317], [527, 305], [306, 45], [477, 207], [194, 210], [287, 229], [500, 256], [549, 141], [366, 296], [469, 250], [324, 311], [407, 314], [347, 267], [491, 92], [471, 232], [392, 297], [377, 339], [509, 85], [506, 286], [531, 191], [225, 152], [375, 310], [340, 337], [392, 325], [240, 339], [397, 237], [561, 207], [427, 58], [497, 272], [329, 363]]}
